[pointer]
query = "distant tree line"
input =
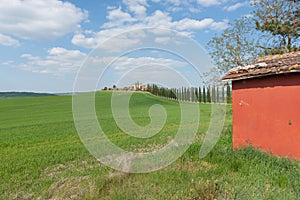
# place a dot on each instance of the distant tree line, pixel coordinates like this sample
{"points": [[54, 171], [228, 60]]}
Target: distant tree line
{"points": [[204, 94], [161, 91]]}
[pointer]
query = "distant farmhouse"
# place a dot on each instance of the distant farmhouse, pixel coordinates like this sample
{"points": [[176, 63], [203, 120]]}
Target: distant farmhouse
{"points": [[138, 87]]}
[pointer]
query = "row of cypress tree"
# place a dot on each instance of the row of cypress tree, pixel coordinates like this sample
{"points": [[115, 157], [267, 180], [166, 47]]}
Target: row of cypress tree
{"points": [[204, 94]]}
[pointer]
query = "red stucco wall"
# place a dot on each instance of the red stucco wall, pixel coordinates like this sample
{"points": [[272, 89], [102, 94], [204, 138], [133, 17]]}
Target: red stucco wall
{"points": [[266, 113]]}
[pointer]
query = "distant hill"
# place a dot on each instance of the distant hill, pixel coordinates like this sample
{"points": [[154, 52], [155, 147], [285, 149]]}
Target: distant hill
{"points": [[4, 95]]}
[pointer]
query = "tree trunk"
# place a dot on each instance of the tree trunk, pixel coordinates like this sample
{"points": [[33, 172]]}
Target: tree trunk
{"points": [[289, 41]]}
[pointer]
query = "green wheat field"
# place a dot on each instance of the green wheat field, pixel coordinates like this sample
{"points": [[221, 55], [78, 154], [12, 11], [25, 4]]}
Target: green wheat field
{"points": [[42, 157]]}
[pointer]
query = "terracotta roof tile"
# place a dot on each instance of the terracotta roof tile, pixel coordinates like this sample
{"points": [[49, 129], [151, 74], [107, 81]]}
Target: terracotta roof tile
{"points": [[267, 65]]}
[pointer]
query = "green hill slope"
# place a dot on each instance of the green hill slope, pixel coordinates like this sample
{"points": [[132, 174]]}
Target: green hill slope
{"points": [[4, 95]]}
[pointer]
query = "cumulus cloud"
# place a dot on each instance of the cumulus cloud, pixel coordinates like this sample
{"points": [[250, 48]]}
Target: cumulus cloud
{"points": [[39, 19], [236, 6], [162, 40], [58, 61], [187, 23], [207, 3], [117, 41], [157, 19], [147, 70], [220, 25], [203, 3], [117, 17], [152, 74], [138, 7], [86, 41], [8, 41], [175, 2], [127, 63]]}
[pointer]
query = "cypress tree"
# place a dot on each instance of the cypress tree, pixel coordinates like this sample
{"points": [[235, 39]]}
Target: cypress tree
{"points": [[208, 95], [228, 93], [155, 89], [193, 91], [187, 96], [223, 94], [213, 94], [196, 94], [200, 96], [204, 95]]}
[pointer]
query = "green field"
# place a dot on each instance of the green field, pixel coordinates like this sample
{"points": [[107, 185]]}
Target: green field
{"points": [[42, 157], [9, 95]]}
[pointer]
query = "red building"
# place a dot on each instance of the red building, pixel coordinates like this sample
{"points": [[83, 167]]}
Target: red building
{"points": [[266, 104]]}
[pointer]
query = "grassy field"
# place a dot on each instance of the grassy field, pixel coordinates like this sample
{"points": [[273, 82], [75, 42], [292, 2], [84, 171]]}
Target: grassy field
{"points": [[9, 95], [42, 157]]}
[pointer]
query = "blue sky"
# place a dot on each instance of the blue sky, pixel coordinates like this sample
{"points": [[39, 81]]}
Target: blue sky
{"points": [[43, 44]]}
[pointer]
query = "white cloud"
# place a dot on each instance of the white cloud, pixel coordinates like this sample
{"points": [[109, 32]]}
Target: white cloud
{"points": [[161, 31], [162, 40], [152, 74], [194, 6], [220, 25], [194, 9], [65, 55], [207, 3], [9, 63], [59, 61], [236, 6], [150, 70], [175, 2], [39, 19], [127, 63], [120, 42], [158, 19], [117, 17], [84, 41], [116, 42], [138, 7], [187, 23], [126, 70], [8, 41], [189, 3]]}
